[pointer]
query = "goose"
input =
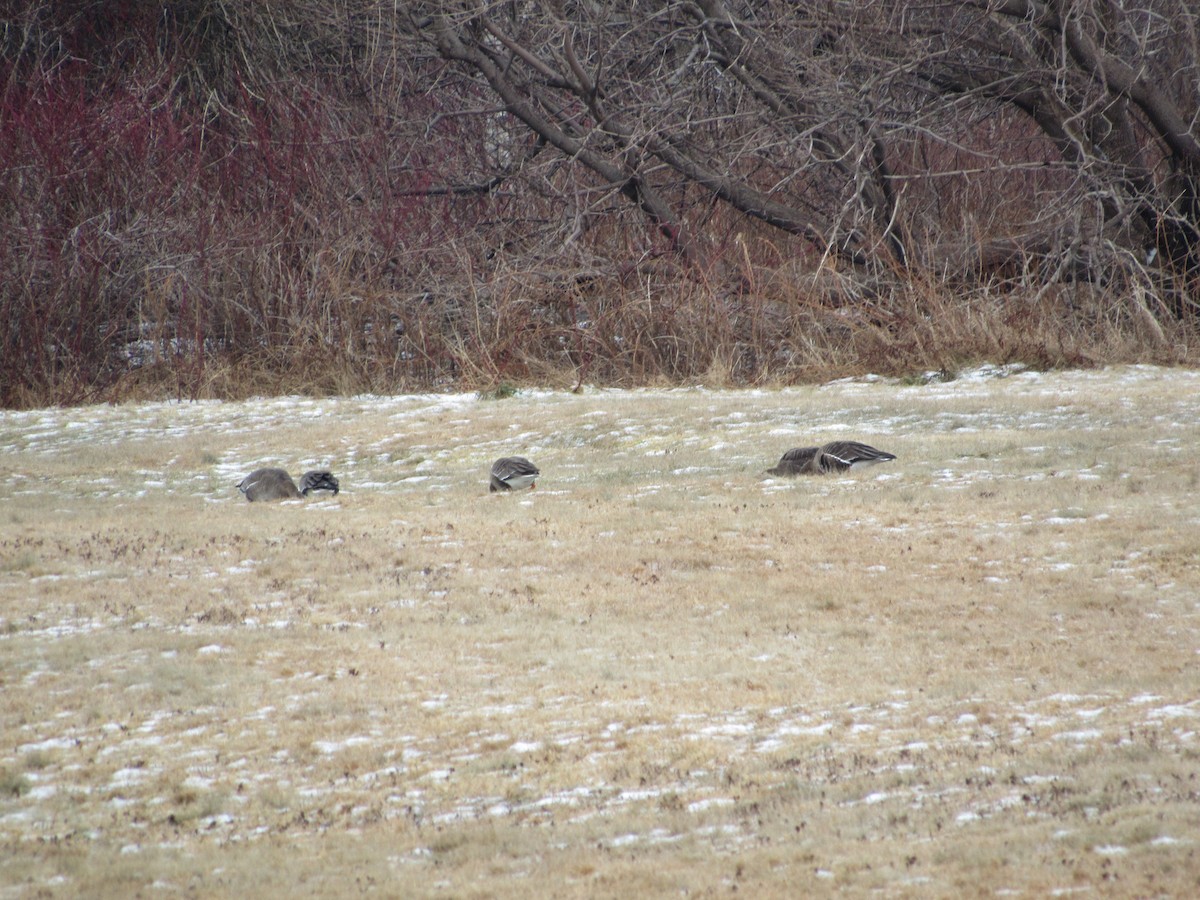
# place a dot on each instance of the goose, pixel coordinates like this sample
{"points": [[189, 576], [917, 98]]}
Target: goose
{"points": [[836, 456], [276, 484], [511, 473]]}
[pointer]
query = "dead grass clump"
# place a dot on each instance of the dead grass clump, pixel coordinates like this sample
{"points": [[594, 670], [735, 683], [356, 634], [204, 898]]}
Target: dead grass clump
{"points": [[13, 783]]}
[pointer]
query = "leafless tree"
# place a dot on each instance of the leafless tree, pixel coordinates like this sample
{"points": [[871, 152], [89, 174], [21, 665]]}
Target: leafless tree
{"points": [[886, 136], [409, 190]]}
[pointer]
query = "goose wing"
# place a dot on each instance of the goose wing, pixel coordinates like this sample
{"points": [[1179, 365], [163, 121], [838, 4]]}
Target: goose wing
{"points": [[854, 453]]}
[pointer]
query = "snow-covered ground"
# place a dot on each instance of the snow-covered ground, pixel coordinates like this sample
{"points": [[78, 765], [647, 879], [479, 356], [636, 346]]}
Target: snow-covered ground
{"points": [[660, 655]]}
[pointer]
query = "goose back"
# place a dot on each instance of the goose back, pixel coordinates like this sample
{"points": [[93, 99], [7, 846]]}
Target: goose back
{"points": [[836, 456], [269, 484], [510, 473]]}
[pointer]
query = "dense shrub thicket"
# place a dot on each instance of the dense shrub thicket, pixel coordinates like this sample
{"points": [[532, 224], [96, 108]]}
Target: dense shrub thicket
{"points": [[210, 198]]}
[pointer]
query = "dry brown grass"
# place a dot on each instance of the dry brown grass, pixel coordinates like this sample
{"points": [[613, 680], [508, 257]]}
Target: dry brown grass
{"points": [[966, 672]]}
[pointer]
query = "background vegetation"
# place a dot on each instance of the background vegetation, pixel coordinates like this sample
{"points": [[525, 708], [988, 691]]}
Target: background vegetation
{"points": [[213, 198]]}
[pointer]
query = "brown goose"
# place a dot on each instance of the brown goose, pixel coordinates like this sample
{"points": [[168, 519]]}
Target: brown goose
{"points": [[511, 473], [836, 456], [276, 484]]}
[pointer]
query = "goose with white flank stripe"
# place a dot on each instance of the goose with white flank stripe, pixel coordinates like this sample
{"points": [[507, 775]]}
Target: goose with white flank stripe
{"points": [[836, 456]]}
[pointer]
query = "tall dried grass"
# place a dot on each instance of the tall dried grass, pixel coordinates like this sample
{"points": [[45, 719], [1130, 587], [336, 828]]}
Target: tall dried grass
{"points": [[222, 201]]}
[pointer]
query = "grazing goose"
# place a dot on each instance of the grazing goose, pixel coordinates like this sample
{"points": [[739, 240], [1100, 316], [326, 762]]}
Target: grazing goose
{"points": [[511, 473], [836, 456], [276, 484]]}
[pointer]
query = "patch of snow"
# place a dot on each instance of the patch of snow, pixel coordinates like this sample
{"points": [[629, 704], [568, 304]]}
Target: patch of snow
{"points": [[59, 743], [1177, 711], [126, 777], [1079, 737], [336, 746]]}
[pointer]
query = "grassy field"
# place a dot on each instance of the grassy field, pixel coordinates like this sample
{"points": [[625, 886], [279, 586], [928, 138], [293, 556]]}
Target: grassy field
{"points": [[971, 671]]}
